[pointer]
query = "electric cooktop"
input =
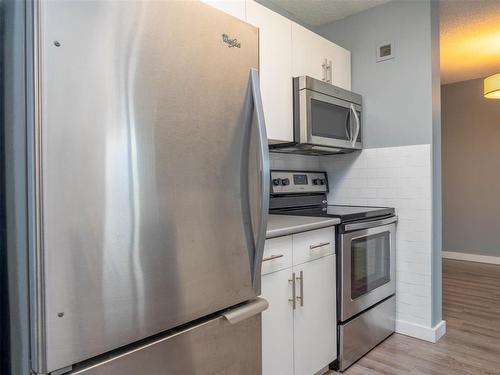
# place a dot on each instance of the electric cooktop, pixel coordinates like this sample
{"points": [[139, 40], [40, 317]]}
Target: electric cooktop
{"points": [[344, 213], [305, 194]]}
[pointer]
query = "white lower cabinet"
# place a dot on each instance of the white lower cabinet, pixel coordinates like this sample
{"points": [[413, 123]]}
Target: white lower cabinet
{"points": [[277, 324], [300, 340], [314, 323]]}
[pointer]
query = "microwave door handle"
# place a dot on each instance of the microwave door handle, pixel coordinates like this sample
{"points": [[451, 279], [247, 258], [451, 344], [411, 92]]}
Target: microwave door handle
{"points": [[358, 126], [348, 128]]}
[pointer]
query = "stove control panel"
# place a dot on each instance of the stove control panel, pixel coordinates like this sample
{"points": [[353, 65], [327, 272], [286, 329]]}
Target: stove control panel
{"points": [[296, 182]]}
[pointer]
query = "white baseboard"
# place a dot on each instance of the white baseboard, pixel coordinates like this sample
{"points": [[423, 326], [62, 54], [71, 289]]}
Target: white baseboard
{"points": [[431, 334], [471, 257]]}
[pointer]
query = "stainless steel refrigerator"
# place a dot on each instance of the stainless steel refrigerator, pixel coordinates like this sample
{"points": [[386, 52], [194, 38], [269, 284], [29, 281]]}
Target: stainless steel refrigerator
{"points": [[148, 190]]}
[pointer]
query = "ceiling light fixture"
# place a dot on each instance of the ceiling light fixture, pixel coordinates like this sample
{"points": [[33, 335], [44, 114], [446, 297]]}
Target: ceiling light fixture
{"points": [[492, 87]]}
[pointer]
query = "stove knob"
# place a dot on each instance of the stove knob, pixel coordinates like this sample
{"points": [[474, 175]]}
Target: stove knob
{"points": [[317, 181], [285, 182], [277, 181], [323, 181]]}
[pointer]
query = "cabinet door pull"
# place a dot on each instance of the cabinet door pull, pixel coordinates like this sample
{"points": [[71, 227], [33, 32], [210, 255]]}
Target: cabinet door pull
{"points": [[312, 247], [325, 70], [329, 72], [271, 257], [301, 287], [293, 299]]}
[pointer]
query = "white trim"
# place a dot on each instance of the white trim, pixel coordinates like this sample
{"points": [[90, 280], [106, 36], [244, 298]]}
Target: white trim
{"points": [[471, 257], [431, 334]]}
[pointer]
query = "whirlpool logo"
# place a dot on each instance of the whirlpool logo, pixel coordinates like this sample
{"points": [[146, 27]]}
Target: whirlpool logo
{"points": [[231, 43]]}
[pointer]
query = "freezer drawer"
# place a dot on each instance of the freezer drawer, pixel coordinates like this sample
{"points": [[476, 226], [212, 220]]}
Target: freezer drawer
{"points": [[215, 346]]}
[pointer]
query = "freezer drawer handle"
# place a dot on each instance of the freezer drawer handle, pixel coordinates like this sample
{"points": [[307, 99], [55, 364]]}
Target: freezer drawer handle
{"points": [[312, 247], [240, 313], [271, 257]]}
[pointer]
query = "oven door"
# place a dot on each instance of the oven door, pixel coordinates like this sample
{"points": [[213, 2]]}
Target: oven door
{"points": [[328, 121], [367, 265]]}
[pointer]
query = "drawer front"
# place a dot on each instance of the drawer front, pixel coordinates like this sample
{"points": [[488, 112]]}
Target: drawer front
{"points": [[312, 245], [277, 254]]}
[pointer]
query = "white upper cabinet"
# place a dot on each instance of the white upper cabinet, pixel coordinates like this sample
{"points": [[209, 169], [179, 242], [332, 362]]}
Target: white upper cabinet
{"points": [[317, 57], [275, 70], [340, 66], [287, 50], [235, 8]]}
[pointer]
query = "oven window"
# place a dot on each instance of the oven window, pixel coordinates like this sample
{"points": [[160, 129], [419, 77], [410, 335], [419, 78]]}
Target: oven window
{"points": [[329, 120], [370, 263]]}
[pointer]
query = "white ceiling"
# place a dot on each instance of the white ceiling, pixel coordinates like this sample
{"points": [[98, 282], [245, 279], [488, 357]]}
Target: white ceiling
{"points": [[319, 12], [470, 39]]}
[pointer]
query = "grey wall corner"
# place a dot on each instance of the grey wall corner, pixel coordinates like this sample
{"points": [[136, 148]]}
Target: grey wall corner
{"points": [[437, 242]]}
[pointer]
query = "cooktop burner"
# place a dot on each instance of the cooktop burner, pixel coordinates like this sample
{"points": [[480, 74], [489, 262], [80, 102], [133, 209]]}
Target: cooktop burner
{"points": [[344, 213]]}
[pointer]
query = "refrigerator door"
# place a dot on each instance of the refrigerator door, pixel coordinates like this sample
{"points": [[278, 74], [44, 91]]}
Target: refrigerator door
{"points": [[151, 173]]}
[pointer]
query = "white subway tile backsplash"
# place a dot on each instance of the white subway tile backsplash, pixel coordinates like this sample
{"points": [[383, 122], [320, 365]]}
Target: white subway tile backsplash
{"points": [[293, 162], [398, 177]]}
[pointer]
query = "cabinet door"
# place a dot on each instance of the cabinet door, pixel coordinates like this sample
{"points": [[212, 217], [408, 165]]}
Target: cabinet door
{"points": [[277, 324], [315, 322], [340, 65], [235, 8], [309, 51], [275, 52]]}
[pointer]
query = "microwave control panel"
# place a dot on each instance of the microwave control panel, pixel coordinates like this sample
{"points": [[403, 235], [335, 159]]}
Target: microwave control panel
{"points": [[296, 182]]}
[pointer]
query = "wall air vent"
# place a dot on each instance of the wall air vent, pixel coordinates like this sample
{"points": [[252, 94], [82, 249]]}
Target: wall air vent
{"points": [[385, 51]]}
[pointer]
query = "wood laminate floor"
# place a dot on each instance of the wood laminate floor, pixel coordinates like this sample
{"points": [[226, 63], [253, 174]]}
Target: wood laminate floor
{"points": [[471, 346]]}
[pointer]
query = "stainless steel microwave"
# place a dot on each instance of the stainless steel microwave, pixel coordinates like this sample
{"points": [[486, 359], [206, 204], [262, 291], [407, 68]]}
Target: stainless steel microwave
{"points": [[327, 119]]}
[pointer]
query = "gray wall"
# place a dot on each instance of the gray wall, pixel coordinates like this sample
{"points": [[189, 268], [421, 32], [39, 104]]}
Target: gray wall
{"points": [[401, 96], [471, 169], [397, 92]]}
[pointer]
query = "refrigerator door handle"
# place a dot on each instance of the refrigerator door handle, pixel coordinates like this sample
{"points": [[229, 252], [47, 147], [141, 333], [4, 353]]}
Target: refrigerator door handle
{"points": [[264, 177], [245, 311]]}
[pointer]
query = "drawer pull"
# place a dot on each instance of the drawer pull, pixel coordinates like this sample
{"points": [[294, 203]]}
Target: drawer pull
{"points": [[312, 247], [271, 257]]}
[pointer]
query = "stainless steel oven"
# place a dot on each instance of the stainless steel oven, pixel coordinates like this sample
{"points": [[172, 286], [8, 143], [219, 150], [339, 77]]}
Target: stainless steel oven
{"points": [[366, 286], [367, 264]]}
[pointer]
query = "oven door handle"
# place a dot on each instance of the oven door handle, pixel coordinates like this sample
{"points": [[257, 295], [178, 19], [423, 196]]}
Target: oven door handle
{"points": [[370, 224]]}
